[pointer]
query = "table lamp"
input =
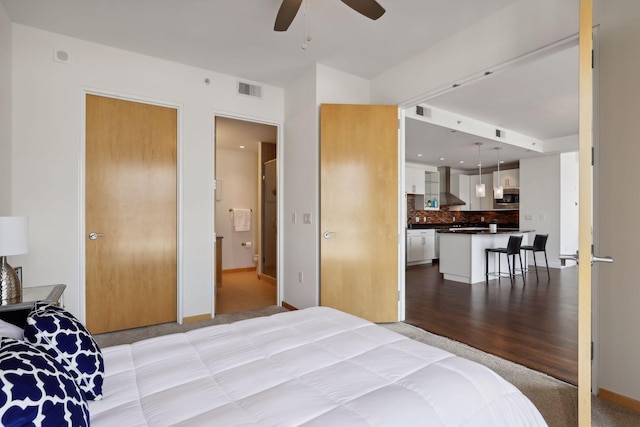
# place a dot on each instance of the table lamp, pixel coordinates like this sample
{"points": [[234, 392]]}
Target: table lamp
{"points": [[13, 241]]}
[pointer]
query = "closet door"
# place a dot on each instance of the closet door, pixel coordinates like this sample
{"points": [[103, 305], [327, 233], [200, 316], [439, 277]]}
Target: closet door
{"points": [[131, 207]]}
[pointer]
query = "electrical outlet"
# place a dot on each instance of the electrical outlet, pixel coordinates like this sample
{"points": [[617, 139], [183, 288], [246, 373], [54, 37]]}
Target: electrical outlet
{"points": [[528, 217], [306, 218]]}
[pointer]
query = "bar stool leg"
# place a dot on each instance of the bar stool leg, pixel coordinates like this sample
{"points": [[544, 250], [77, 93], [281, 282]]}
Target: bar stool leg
{"points": [[486, 266], [533, 254], [547, 262], [524, 275]]}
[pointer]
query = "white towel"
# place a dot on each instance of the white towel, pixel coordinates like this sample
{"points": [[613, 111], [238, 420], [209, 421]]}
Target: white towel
{"points": [[241, 219]]}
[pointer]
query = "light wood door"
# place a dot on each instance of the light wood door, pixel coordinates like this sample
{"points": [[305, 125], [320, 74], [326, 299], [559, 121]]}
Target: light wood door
{"points": [[359, 210], [131, 269], [585, 213]]}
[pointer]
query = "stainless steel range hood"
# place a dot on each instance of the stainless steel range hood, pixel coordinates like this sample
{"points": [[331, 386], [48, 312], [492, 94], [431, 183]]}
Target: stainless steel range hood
{"points": [[446, 198]]}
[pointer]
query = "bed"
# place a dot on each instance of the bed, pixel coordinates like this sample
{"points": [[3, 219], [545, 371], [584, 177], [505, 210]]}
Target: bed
{"points": [[311, 367]]}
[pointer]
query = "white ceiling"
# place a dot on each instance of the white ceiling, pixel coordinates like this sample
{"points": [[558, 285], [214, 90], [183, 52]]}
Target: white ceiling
{"points": [[538, 98], [236, 37], [234, 134]]}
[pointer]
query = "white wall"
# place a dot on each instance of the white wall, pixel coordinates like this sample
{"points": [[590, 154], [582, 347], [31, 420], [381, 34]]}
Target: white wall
{"points": [[300, 186], [47, 140], [569, 209], [518, 28], [238, 171], [320, 84], [540, 201], [548, 203], [5, 113], [617, 159]]}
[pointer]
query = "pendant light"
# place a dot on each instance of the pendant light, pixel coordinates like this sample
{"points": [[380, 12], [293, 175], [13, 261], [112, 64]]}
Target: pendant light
{"points": [[480, 192], [498, 190]]}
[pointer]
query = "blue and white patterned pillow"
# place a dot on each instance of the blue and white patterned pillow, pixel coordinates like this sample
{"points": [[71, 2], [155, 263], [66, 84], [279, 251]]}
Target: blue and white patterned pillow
{"points": [[37, 390], [59, 333]]}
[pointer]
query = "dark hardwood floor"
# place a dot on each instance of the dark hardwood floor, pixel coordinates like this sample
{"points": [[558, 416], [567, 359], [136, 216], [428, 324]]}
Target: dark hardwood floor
{"points": [[533, 324]]}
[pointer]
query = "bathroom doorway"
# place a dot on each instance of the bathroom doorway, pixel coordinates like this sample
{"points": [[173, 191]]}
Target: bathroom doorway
{"points": [[246, 214]]}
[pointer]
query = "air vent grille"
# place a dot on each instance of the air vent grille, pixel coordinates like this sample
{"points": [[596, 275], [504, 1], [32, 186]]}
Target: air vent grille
{"points": [[248, 89], [424, 112]]}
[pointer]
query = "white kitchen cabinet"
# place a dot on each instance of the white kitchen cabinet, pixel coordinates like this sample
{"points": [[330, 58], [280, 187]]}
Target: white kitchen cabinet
{"points": [[421, 246], [431, 190], [460, 188], [424, 182], [509, 178], [414, 179]]}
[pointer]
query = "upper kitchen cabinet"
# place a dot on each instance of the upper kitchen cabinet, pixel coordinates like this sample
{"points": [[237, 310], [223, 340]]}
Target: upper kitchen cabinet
{"points": [[431, 190], [414, 178], [424, 182], [509, 178]]}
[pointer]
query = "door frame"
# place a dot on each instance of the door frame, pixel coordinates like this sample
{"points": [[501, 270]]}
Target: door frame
{"points": [[595, 277], [279, 195], [82, 288]]}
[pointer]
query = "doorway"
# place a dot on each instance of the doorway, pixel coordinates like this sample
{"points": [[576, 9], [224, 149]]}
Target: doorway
{"points": [[559, 220], [246, 214]]}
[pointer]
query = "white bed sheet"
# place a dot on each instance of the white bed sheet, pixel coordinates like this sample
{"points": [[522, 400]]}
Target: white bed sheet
{"points": [[312, 367]]}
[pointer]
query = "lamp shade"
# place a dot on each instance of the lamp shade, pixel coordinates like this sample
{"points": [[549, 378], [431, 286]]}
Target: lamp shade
{"points": [[14, 235], [498, 192]]}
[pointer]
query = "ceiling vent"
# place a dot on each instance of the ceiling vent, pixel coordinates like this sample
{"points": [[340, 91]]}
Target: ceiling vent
{"points": [[248, 89], [424, 112]]}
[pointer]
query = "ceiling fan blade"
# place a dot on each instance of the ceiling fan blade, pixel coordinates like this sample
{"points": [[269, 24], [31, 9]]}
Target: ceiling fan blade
{"points": [[369, 8], [288, 11]]}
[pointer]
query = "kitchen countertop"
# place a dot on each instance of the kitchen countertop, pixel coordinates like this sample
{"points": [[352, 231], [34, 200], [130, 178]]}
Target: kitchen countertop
{"points": [[440, 226], [484, 230]]}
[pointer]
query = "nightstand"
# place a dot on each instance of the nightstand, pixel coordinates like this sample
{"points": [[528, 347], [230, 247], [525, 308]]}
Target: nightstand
{"points": [[16, 310]]}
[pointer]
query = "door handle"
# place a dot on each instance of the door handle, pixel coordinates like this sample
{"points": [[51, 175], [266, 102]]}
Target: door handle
{"points": [[574, 257], [328, 234], [94, 236]]}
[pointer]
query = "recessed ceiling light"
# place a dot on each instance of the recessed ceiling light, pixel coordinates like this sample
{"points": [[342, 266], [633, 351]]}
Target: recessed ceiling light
{"points": [[501, 161], [461, 161], [441, 158], [419, 155], [242, 146]]}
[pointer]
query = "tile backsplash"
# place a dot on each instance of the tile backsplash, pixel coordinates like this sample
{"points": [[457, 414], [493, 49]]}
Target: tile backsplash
{"points": [[445, 216]]}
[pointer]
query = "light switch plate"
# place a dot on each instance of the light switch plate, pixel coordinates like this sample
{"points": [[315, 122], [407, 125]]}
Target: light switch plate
{"points": [[306, 218]]}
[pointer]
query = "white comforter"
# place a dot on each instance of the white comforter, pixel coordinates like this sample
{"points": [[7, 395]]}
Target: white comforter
{"points": [[312, 367]]}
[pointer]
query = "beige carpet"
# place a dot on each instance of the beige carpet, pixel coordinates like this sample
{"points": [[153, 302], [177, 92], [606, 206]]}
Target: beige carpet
{"points": [[555, 399], [129, 336]]}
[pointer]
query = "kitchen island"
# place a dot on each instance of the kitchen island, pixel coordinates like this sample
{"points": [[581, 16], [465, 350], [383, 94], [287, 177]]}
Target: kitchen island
{"points": [[462, 252]]}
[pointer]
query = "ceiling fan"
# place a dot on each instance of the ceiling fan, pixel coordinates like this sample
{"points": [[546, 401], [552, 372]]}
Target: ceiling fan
{"points": [[289, 8]]}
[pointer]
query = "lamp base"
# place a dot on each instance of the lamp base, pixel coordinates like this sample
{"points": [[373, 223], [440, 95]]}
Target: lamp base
{"points": [[10, 288]]}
